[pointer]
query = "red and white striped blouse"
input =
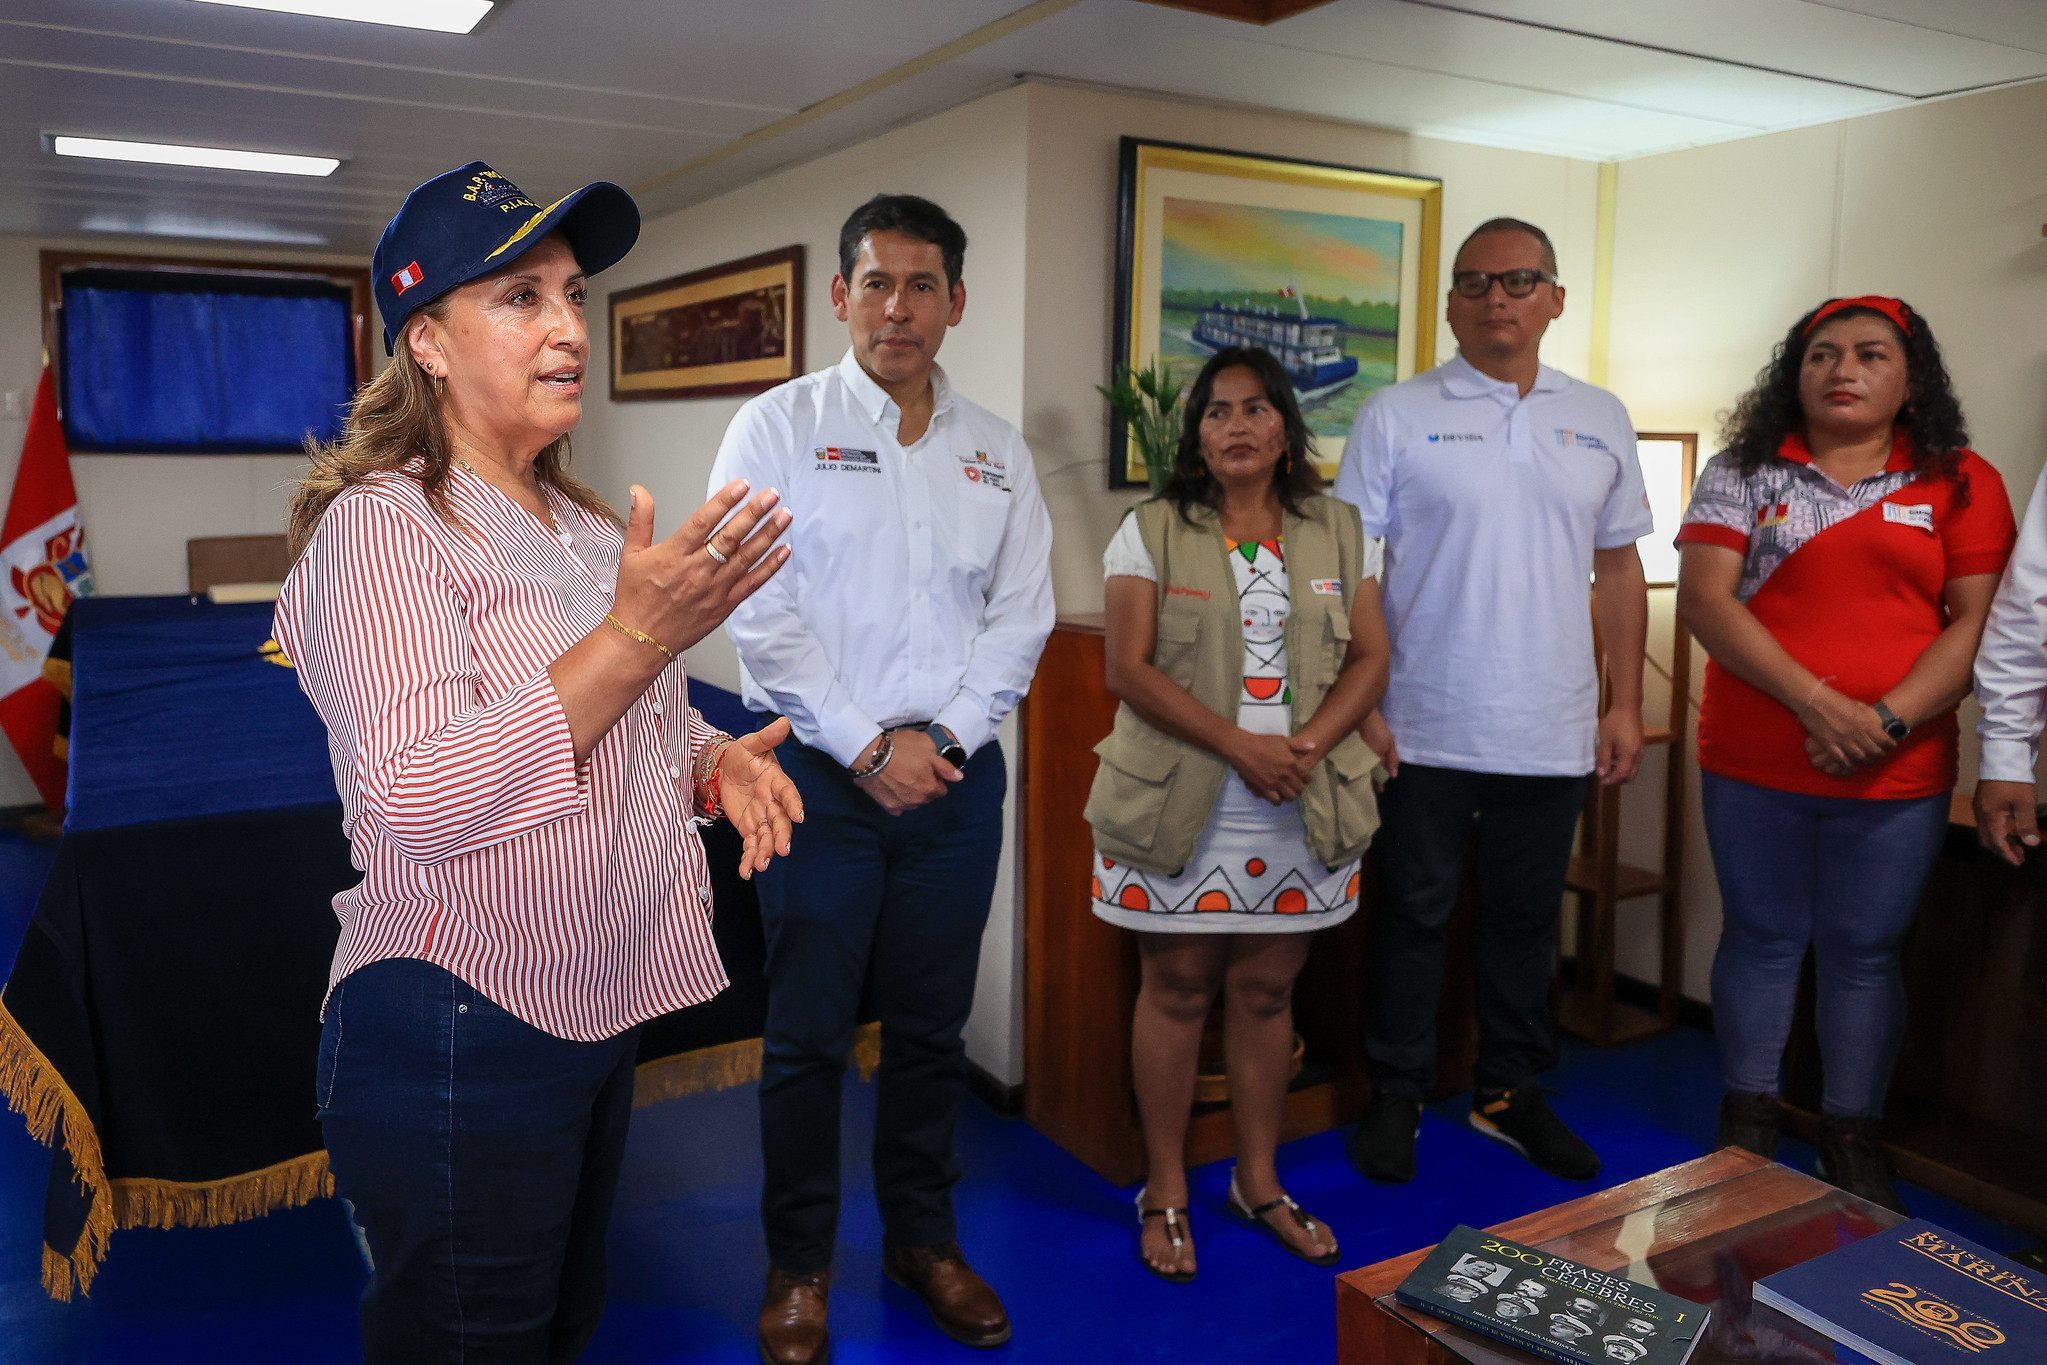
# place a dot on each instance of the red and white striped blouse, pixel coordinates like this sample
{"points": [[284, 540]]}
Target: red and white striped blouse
{"points": [[575, 897]]}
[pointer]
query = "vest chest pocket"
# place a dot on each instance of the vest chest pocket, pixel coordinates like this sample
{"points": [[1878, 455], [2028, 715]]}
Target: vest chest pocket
{"points": [[1175, 650], [1325, 643]]}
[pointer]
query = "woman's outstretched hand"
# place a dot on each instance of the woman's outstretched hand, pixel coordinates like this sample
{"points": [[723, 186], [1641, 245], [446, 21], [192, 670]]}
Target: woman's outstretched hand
{"points": [[677, 591], [759, 799]]}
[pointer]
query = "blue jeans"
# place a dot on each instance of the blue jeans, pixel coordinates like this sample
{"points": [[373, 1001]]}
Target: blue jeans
{"points": [[892, 906], [1842, 875], [481, 1155]]}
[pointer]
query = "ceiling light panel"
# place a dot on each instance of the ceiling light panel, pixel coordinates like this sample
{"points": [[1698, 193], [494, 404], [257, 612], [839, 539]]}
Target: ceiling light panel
{"points": [[441, 16], [219, 158]]}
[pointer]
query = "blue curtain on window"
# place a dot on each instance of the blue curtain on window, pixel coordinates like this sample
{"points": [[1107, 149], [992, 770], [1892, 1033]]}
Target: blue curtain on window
{"points": [[190, 370]]}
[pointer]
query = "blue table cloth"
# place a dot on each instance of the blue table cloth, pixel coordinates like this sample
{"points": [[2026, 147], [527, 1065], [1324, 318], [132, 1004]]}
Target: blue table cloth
{"points": [[182, 708]]}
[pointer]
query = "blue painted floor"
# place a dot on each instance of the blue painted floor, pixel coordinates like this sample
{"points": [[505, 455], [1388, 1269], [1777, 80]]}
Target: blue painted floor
{"points": [[687, 1263]]}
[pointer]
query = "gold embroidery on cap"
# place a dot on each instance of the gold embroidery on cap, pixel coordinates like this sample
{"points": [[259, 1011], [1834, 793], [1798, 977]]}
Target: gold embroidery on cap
{"points": [[526, 227]]}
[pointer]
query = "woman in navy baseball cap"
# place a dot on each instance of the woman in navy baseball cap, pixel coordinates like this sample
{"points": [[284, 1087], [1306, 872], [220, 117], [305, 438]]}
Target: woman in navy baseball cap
{"points": [[495, 656]]}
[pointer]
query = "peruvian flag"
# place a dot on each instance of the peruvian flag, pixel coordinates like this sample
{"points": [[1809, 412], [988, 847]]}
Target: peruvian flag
{"points": [[42, 567]]}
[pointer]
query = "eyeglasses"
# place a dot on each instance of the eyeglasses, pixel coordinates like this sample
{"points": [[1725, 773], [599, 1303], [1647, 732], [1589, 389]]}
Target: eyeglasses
{"points": [[1519, 284]]}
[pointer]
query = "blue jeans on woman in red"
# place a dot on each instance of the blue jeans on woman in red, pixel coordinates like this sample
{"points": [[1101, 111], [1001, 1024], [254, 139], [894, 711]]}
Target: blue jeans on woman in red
{"points": [[481, 1156], [1841, 875]]}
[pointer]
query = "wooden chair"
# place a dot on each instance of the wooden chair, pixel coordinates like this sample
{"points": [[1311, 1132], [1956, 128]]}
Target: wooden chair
{"points": [[235, 559]]}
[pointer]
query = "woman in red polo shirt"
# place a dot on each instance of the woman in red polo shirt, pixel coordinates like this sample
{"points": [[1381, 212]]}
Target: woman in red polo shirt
{"points": [[1839, 559]]}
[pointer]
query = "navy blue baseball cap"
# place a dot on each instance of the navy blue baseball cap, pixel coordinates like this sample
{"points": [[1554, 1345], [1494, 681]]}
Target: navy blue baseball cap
{"points": [[470, 221]]}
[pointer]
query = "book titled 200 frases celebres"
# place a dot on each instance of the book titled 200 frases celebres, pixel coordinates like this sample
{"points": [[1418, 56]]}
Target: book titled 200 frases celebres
{"points": [[1917, 1295], [1551, 1307]]}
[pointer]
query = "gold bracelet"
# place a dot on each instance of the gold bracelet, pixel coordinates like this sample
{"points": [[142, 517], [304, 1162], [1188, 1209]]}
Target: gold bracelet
{"points": [[713, 754], [644, 638]]}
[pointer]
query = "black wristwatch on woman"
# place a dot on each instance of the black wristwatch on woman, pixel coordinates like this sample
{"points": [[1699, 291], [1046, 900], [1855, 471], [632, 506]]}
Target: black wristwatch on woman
{"points": [[1893, 725]]}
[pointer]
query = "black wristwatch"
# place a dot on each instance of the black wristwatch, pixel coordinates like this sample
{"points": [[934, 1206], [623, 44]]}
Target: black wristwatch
{"points": [[949, 748], [1893, 726]]}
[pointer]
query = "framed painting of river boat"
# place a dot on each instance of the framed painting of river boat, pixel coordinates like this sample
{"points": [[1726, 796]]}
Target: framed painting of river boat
{"points": [[733, 328], [1331, 268]]}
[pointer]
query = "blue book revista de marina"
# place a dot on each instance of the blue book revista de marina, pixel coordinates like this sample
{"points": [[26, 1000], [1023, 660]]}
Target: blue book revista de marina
{"points": [[1917, 1295]]}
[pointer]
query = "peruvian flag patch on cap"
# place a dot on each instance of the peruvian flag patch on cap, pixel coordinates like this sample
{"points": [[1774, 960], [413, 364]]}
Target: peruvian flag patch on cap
{"points": [[407, 277]]}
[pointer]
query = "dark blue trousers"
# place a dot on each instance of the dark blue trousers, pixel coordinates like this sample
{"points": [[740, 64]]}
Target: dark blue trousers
{"points": [[888, 904], [481, 1156]]}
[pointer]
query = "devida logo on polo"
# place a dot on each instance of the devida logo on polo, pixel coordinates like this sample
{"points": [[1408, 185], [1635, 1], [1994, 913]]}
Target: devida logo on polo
{"points": [[1436, 436]]}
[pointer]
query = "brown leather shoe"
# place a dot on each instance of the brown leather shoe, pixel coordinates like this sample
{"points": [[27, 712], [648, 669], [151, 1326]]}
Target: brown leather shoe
{"points": [[793, 1330], [961, 1303]]}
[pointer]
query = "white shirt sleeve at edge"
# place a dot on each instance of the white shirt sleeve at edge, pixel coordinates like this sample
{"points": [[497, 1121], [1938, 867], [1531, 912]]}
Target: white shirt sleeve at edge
{"points": [[2011, 663], [1364, 477], [1626, 517], [1126, 556]]}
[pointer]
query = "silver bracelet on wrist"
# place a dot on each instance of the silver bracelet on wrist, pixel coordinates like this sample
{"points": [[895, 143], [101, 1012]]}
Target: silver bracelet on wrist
{"points": [[882, 755]]}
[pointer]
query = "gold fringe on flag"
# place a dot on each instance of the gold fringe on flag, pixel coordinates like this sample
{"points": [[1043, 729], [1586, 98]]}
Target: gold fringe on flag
{"points": [[36, 1091], [729, 1064]]}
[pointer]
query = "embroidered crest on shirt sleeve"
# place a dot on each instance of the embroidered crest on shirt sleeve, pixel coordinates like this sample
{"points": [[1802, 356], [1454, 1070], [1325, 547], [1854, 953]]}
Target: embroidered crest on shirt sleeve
{"points": [[1327, 587]]}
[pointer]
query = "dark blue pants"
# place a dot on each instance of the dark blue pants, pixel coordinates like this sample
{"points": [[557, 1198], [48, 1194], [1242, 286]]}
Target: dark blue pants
{"points": [[481, 1156], [1836, 873], [1525, 827], [894, 905]]}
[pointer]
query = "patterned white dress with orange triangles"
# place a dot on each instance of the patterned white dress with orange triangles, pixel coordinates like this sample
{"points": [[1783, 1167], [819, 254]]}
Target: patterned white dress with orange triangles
{"points": [[1251, 870]]}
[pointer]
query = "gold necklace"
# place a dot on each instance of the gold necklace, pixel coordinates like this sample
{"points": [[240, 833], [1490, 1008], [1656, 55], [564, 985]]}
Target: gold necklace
{"points": [[547, 520]]}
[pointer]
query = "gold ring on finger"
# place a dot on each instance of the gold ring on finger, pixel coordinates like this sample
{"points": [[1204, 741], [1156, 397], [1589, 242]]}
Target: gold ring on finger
{"points": [[714, 552]]}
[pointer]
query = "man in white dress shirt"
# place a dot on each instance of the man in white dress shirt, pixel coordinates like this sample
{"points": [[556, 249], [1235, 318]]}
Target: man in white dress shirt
{"points": [[906, 625], [1502, 488], [2011, 685]]}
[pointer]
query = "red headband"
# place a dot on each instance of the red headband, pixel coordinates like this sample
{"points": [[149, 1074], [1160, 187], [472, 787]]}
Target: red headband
{"points": [[1894, 309]]}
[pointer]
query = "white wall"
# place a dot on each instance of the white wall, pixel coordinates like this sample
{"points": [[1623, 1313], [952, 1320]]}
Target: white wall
{"points": [[1719, 249], [139, 510]]}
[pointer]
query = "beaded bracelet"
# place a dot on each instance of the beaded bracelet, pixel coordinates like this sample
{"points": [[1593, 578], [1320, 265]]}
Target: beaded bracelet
{"points": [[710, 785]]}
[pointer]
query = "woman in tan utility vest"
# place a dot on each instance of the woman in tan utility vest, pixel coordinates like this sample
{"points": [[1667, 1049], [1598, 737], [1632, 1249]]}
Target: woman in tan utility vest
{"points": [[1234, 797]]}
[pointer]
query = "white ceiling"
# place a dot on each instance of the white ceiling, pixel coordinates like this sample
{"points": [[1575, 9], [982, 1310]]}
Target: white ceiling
{"points": [[683, 99]]}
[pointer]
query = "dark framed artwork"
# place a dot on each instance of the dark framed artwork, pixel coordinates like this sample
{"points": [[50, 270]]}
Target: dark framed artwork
{"points": [[1331, 268], [729, 329]]}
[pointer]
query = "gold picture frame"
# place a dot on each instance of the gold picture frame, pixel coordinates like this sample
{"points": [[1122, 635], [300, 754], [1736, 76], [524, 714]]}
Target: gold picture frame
{"points": [[733, 328], [1332, 268]]}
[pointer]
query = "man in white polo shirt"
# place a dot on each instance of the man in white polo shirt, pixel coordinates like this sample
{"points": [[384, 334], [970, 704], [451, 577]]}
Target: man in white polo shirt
{"points": [[1502, 487], [905, 626]]}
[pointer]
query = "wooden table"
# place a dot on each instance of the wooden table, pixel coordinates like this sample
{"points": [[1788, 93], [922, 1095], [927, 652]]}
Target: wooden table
{"points": [[1706, 1230]]}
